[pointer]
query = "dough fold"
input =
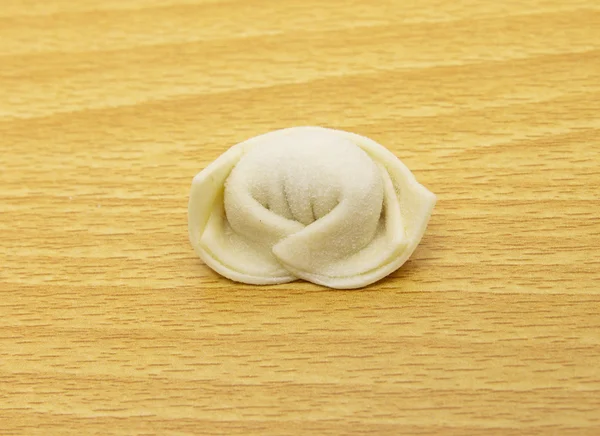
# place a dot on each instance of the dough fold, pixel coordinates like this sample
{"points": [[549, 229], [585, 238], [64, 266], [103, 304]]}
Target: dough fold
{"points": [[327, 206]]}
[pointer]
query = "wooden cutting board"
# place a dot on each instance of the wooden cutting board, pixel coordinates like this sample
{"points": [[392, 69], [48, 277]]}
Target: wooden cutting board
{"points": [[110, 325]]}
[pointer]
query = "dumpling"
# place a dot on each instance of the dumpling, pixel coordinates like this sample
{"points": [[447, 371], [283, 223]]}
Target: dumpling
{"points": [[327, 206]]}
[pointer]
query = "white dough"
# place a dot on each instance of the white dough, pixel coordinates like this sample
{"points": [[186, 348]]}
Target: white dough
{"points": [[327, 206]]}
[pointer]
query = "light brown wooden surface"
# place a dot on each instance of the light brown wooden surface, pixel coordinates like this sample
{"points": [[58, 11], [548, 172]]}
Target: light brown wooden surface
{"points": [[110, 325]]}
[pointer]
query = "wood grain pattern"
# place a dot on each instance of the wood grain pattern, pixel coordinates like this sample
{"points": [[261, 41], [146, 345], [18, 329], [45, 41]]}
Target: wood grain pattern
{"points": [[110, 325]]}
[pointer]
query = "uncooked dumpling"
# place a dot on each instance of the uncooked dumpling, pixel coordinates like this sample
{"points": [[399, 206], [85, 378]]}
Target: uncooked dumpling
{"points": [[326, 206]]}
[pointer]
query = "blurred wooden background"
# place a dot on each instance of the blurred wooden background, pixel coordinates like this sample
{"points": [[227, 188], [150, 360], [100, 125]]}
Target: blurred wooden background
{"points": [[110, 325]]}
